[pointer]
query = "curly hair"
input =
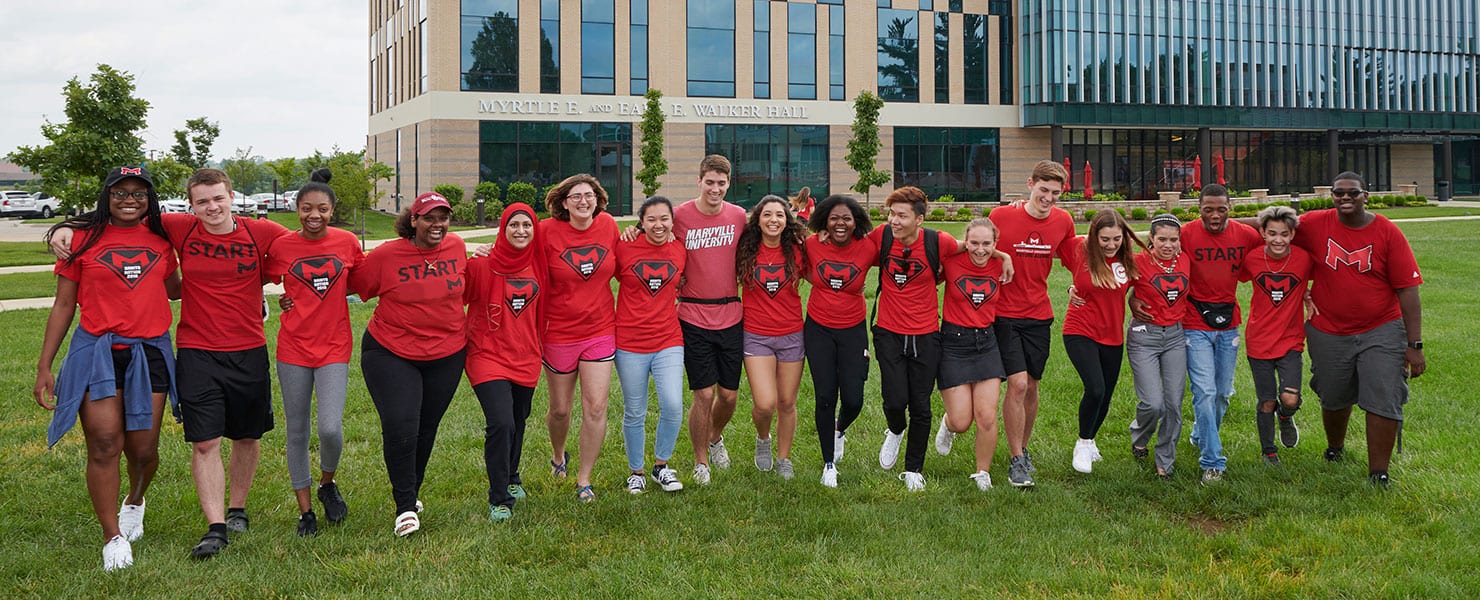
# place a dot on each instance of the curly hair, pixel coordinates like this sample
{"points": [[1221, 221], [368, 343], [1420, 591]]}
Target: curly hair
{"points": [[555, 200], [792, 246], [404, 228], [861, 223]]}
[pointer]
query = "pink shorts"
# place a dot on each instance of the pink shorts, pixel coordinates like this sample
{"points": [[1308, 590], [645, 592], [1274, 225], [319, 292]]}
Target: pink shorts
{"points": [[566, 358]]}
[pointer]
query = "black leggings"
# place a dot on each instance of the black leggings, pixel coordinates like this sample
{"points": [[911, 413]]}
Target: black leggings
{"points": [[1099, 369], [505, 410], [411, 397], [839, 363]]}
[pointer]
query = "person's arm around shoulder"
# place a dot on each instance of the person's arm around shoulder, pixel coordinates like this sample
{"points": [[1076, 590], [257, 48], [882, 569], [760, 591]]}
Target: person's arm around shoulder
{"points": [[63, 309]]}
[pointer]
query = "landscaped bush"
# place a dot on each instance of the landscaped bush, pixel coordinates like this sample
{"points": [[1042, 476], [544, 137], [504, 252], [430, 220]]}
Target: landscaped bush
{"points": [[938, 214], [1138, 214], [945, 198], [465, 212], [452, 193], [1089, 215], [526, 193], [873, 213], [1178, 211], [486, 191], [963, 212]]}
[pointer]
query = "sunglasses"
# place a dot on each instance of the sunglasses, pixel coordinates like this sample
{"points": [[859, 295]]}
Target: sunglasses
{"points": [[1347, 193]]}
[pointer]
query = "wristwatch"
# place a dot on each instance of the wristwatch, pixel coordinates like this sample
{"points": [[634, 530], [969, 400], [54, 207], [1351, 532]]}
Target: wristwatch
{"points": [[1418, 345]]}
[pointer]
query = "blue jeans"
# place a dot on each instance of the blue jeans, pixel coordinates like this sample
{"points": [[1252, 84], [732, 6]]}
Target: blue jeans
{"points": [[666, 368], [1211, 359]]}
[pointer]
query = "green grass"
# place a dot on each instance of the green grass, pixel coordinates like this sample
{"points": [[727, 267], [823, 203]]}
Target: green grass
{"points": [[15, 254], [1307, 529], [28, 285]]}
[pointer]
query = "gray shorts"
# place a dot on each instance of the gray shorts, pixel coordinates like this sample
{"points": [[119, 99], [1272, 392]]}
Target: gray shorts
{"points": [[786, 348], [1365, 369]]}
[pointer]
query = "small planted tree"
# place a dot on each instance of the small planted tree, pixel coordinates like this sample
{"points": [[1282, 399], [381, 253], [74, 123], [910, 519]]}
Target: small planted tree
{"points": [[452, 193], [654, 166], [863, 147]]}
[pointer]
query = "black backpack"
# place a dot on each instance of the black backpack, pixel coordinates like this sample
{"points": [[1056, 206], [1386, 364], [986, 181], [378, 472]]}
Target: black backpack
{"points": [[932, 256]]}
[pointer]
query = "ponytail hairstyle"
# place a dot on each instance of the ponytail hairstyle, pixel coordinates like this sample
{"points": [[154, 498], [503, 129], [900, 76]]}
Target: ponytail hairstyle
{"points": [[318, 181]]}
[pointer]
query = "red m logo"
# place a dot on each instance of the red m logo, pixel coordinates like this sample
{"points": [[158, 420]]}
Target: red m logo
{"points": [[1360, 258], [654, 274], [133, 171], [977, 290], [585, 260], [770, 278]]}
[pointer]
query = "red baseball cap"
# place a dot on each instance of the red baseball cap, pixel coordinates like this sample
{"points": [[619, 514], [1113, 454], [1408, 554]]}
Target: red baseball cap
{"points": [[428, 202]]}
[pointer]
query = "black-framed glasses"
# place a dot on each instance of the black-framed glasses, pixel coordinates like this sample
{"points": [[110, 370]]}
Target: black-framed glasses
{"points": [[1348, 192], [120, 195]]}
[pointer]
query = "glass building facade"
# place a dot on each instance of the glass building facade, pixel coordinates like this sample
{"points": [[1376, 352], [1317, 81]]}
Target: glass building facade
{"points": [[771, 159], [543, 153]]}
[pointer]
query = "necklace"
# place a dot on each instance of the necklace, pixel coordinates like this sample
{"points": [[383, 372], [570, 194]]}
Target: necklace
{"points": [[1281, 268], [1164, 268], [431, 263]]}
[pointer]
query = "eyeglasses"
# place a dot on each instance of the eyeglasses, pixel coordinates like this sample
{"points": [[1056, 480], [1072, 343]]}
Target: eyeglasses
{"points": [[120, 194], [581, 196], [1348, 193]]}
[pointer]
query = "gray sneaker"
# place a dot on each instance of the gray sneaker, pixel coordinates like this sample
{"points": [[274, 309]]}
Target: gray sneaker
{"points": [[1028, 459], [1289, 433], [784, 468], [1017, 472], [718, 455], [763, 454], [1211, 476]]}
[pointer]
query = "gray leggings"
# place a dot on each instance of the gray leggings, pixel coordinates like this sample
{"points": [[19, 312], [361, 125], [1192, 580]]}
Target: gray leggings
{"points": [[299, 385]]}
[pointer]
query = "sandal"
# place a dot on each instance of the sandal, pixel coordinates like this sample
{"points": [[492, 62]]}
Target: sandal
{"points": [[210, 545], [236, 520], [407, 523], [558, 470], [585, 494]]}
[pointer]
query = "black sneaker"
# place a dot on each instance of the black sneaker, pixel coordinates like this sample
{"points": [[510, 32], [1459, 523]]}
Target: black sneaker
{"points": [[1272, 459], [1379, 480], [1017, 472], [308, 525], [335, 510], [210, 545], [1289, 433], [1335, 454], [236, 520]]}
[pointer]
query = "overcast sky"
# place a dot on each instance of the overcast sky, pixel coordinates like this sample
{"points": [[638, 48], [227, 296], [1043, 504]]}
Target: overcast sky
{"points": [[283, 77]]}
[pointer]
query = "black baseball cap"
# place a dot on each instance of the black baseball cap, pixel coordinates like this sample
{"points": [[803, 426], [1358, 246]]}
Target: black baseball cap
{"points": [[121, 173]]}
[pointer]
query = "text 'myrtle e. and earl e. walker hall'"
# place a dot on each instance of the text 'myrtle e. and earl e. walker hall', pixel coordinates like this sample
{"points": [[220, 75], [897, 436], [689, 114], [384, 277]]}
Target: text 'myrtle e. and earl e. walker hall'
{"points": [[1283, 93]]}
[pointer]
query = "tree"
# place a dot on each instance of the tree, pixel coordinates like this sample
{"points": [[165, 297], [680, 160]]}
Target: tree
{"points": [[863, 147], [169, 176], [654, 166], [354, 182], [193, 143], [288, 172], [100, 133], [245, 170]]}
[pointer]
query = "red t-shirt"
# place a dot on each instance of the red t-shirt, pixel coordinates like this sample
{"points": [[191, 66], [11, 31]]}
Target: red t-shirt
{"points": [[420, 313], [581, 263], [315, 274], [773, 300], [503, 324], [1357, 272], [221, 290], [710, 271], [837, 274], [1102, 316], [971, 291], [1277, 307], [647, 295], [908, 302], [1165, 294], [1215, 261], [120, 281], [1033, 243]]}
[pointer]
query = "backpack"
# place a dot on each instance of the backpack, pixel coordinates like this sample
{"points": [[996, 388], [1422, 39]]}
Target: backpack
{"points": [[932, 257]]}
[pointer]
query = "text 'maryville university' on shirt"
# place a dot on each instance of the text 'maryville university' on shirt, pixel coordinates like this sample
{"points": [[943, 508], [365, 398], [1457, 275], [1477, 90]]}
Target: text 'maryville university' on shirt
{"points": [[710, 272], [1032, 243]]}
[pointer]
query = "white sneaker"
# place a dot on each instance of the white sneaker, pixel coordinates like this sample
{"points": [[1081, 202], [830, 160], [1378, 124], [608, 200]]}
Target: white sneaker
{"points": [[667, 479], [131, 521], [1084, 458], [830, 476], [889, 452], [763, 454], [838, 441], [983, 480], [914, 482], [1095, 450], [943, 438], [636, 483], [718, 455], [701, 474], [117, 554]]}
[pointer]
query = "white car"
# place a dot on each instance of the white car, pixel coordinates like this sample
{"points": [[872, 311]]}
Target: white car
{"points": [[290, 200], [242, 205], [15, 203], [269, 201], [174, 205]]}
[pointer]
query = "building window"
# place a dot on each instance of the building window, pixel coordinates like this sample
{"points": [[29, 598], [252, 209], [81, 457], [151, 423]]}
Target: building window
{"points": [[550, 46], [490, 45], [836, 50], [598, 47], [543, 153], [961, 162], [421, 38], [771, 159], [639, 54], [711, 49], [762, 49], [1002, 8], [942, 58], [899, 55], [974, 44], [801, 51]]}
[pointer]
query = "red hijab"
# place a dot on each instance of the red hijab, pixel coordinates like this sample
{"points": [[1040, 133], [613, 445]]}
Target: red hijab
{"points": [[505, 260]]}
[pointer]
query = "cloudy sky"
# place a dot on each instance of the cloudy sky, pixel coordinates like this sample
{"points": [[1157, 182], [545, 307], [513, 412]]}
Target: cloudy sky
{"points": [[283, 77]]}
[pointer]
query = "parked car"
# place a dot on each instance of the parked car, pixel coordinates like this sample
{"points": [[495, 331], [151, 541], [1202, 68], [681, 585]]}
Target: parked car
{"points": [[269, 201], [290, 200], [174, 205], [242, 205], [15, 203]]}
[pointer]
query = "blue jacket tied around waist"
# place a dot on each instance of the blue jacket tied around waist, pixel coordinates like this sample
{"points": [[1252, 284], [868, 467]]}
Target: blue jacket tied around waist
{"points": [[88, 369]]}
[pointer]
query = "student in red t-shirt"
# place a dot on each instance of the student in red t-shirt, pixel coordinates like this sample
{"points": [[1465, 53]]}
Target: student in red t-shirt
{"points": [[414, 348], [505, 292], [314, 343], [580, 244], [769, 262], [649, 343], [1094, 334], [1154, 344], [835, 334], [1275, 336], [802, 204], [119, 368], [971, 374]]}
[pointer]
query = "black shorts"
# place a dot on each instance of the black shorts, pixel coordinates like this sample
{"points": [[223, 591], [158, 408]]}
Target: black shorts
{"points": [[159, 372], [967, 355], [1264, 372], [1023, 344], [224, 394], [713, 356]]}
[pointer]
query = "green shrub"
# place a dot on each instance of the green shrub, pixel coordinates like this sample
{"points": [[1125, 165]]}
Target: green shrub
{"points": [[1240, 194], [452, 193], [945, 198], [1187, 216], [873, 213], [1120, 210], [938, 214], [1072, 196], [523, 192], [986, 211], [1139, 214], [963, 212], [1178, 211], [1089, 215], [465, 212], [486, 191]]}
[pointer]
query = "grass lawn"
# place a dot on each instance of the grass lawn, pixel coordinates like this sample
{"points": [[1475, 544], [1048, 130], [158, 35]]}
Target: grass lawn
{"points": [[14, 254], [27, 285], [1306, 529]]}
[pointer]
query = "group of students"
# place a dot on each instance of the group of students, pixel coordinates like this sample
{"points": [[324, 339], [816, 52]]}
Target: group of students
{"points": [[702, 289]]}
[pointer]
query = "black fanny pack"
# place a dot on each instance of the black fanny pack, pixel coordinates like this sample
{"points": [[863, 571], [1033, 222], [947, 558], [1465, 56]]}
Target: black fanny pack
{"points": [[1218, 315]]}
